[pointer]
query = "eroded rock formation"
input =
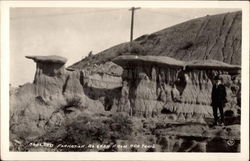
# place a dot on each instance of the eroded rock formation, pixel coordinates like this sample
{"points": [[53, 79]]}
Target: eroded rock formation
{"points": [[147, 87], [158, 84], [50, 75], [59, 94]]}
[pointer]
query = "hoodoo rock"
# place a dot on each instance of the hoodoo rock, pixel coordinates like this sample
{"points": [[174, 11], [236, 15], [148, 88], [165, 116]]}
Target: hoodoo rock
{"points": [[169, 99], [50, 75], [141, 73], [59, 94], [162, 83]]}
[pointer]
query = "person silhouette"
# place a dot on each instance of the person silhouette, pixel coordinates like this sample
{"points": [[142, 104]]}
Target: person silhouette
{"points": [[218, 99]]}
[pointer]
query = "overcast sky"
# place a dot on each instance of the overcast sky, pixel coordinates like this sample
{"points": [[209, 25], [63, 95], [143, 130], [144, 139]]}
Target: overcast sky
{"points": [[73, 32]]}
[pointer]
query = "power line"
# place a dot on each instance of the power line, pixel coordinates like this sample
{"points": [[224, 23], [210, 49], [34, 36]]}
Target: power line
{"points": [[93, 12], [170, 15], [66, 14]]}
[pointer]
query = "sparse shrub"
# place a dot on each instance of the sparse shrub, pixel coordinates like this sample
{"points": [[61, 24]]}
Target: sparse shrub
{"points": [[121, 126], [92, 129], [150, 125], [74, 101], [55, 135], [90, 54], [87, 131]]}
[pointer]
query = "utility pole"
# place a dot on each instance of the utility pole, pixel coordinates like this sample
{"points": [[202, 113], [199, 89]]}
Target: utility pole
{"points": [[132, 21]]}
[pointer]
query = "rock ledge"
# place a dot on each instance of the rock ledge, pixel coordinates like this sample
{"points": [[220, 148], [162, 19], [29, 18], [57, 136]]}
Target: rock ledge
{"points": [[48, 59]]}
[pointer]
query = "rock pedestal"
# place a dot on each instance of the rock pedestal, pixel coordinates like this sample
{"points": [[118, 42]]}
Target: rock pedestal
{"points": [[50, 75], [157, 84]]}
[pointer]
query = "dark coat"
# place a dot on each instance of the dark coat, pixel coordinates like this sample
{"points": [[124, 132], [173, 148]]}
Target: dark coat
{"points": [[218, 95]]}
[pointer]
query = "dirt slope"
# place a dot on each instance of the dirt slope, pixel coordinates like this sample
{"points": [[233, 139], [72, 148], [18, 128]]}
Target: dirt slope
{"points": [[212, 37]]}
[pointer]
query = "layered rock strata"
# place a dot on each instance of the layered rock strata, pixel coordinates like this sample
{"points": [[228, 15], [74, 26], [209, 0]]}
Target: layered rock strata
{"points": [[52, 80], [55, 93], [156, 84], [50, 75]]}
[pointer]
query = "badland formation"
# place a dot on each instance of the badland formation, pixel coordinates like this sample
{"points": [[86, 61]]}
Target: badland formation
{"points": [[155, 90]]}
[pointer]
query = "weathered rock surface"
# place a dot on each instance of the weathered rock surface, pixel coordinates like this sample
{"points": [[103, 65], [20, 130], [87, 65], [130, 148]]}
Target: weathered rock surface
{"points": [[100, 80], [54, 59], [212, 37], [149, 87], [162, 83], [72, 84], [59, 95], [199, 138], [167, 61], [209, 44], [212, 64], [50, 75]]}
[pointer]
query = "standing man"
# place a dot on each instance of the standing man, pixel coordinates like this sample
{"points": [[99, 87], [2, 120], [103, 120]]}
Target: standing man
{"points": [[218, 99]]}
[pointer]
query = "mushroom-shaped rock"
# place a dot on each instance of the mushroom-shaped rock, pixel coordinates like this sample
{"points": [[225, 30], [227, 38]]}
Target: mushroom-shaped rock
{"points": [[49, 65], [54, 59], [127, 60], [212, 64], [142, 72], [50, 75]]}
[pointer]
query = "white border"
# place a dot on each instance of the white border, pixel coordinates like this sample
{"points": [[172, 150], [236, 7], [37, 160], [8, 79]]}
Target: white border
{"points": [[6, 155]]}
